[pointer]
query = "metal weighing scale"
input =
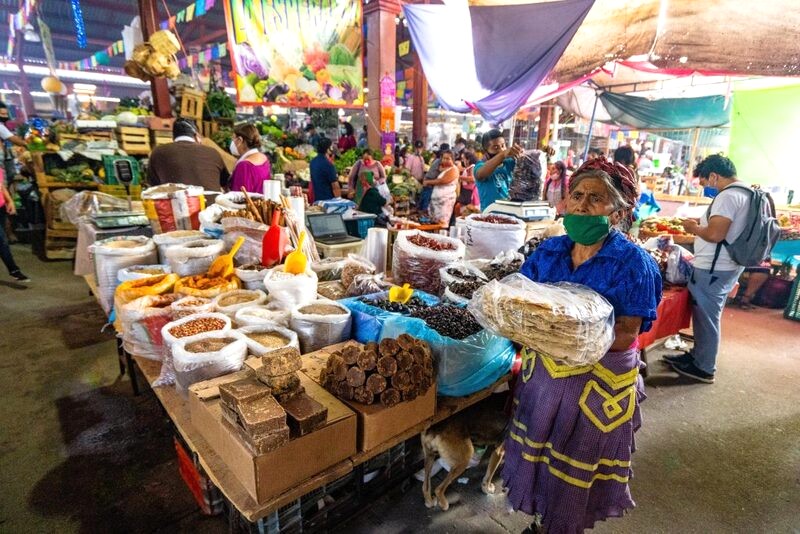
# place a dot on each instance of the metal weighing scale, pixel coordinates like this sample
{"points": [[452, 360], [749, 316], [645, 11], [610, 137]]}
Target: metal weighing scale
{"points": [[534, 210], [124, 174]]}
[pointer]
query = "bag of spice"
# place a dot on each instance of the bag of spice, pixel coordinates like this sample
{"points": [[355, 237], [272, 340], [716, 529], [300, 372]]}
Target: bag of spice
{"points": [[267, 337], [187, 329], [272, 313], [232, 301], [485, 236], [194, 257], [142, 321], [418, 256], [207, 356], [291, 289], [320, 323], [188, 305], [134, 289], [200, 285]]}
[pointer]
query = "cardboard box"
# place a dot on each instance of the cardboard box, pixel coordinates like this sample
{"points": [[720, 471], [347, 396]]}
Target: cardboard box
{"points": [[376, 423], [268, 475]]}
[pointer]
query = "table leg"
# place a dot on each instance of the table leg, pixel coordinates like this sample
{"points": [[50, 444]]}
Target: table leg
{"points": [[120, 357], [131, 365]]}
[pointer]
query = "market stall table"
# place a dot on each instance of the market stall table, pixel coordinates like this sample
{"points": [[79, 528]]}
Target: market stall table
{"points": [[674, 313], [88, 233]]}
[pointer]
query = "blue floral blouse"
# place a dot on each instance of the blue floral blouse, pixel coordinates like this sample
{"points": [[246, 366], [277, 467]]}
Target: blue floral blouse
{"points": [[624, 273]]}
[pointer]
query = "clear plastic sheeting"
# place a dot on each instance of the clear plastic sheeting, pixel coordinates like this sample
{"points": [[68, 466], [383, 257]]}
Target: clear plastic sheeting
{"points": [[419, 266], [194, 257], [316, 331], [568, 322], [192, 366], [142, 321], [87, 204], [167, 376], [258, 349]]}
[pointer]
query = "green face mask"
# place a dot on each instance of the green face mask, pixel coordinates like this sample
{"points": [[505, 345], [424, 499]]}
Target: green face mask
{"points": [[586, 229]]}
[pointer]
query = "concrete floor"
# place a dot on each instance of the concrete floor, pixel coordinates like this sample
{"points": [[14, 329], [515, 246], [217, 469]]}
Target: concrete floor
{"points": [[79, 453]]}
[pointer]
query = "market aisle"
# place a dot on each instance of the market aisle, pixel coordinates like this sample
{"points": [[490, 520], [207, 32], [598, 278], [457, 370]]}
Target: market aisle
{"points": [[79, 453]]}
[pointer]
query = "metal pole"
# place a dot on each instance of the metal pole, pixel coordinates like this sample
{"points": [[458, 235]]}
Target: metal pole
{"points": [[591, 125]]}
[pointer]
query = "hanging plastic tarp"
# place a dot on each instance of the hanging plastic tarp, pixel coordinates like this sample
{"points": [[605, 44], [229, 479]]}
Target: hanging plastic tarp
{"points": [[491, 57], [639, 112]]}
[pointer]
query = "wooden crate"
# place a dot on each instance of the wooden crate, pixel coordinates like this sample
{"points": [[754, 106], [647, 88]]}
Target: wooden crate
{"points": [[161, 124], [192, 102], [208, 128], [161, 137], [134, 140], [52, 213]]}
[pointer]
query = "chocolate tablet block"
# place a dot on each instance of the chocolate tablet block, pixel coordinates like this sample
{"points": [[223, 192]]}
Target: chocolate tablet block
{"points": [[247, 390], [282, 383], [262, 444], [261, 417], [304, 414], [281, 362]]}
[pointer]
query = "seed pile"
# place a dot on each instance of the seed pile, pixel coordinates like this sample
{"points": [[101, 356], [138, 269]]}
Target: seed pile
{"points": [[389, 372], [450, 321], [270, 340], [427, 242], [209, 345], [414, 304], [197, 326], [465, 289], [500, 271], [464, 277], [495, 219]]}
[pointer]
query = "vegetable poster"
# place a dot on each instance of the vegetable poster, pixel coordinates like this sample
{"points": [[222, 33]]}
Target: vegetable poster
{"points": [[303, 53]]}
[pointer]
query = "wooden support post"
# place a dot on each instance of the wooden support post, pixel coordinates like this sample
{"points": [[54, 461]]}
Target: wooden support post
{"points": [[28, 107], [545, 118], [419, 96], [148, 11], [381, 53]]}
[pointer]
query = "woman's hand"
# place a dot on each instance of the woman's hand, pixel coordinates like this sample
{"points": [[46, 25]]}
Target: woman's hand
{"points": [[427, 183], [626, 330], [11, 209], [690, 225]]}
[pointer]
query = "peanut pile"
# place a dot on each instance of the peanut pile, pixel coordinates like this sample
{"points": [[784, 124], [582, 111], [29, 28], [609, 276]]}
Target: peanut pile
{"points": [[197, 326]]}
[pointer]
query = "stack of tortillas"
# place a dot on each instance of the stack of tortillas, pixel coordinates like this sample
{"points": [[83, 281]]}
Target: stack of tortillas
{"points": [[568, 322]]}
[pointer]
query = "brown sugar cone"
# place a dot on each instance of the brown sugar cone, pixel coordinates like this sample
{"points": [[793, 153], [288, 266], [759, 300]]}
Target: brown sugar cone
{"points": [[339, 371], [388, 347], [391, 397], [344, 391], [418, 353], [402, 381], [323, 377], [387, 366], [376, 383], [404, 360], [371, 347], [417, 373], [410, 395], [406, 342], [350, 354], [367, 360], [355, 377], [363, 395]]}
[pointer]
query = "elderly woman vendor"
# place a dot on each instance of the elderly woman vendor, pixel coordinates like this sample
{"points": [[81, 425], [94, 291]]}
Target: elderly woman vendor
{"points": [[568, 454]]}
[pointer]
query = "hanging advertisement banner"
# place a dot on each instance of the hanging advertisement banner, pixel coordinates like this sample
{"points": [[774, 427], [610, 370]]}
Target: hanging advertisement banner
{"points": [[300, 53]]}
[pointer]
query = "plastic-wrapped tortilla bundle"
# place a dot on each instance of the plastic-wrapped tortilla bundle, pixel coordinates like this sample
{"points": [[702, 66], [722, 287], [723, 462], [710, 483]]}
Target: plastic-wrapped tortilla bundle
{"points": [[568, 322]]}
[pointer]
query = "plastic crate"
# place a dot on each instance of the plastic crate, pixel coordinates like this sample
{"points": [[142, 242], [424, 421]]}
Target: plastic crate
{"points": [[359, 227], [792, 310], [111, 173]]}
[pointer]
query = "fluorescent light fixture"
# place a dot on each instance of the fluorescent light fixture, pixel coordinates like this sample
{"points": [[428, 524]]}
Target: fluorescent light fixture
{"points": [[84, 76], [84, 87]]}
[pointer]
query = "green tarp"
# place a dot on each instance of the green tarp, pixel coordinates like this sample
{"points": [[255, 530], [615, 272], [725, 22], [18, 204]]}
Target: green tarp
{"points": [[639, 112], [764, 136]]}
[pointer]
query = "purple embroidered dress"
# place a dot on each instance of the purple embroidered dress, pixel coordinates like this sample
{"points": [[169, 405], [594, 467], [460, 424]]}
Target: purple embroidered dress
{"points": [[251, 176], [568, 453]]}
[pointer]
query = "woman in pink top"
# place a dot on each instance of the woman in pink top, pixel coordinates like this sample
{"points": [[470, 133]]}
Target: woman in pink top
{"points": [[253, 168]]}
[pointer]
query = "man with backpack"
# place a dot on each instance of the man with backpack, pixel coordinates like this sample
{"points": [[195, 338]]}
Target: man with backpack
{"points": [[738, 230]]}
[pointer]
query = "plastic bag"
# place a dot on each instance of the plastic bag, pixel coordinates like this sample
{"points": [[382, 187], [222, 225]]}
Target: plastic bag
{"points": [[211, 221], [137, 272], [192, 367], [194, 257], [368, 320], [500, 266], [252, 276], [186, 306], [453, 298], [460, 271], [679, 265], [142, 320], [331, 290], [200, 286], [486, 236], [235, 200], [133, 289], [272, 313], [353, 266], [316, 331], [253, 233], [463, 366], [526, 184], [418, 265], [86, 204], [178, 237], [367, 284], [115, 253], [568, 322], [329, 269], [173, 207], [291, 290], [232, 301], [256, 348], [167, 376]]}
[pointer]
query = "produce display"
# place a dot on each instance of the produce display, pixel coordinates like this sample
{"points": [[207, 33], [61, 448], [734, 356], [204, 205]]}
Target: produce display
{"points": [[450, 321], [568, 322], [389, 372], [663, 225]]}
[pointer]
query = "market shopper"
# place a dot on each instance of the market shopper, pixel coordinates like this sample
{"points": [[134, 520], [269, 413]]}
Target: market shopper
{"points": [[568, 454], [252, 168], [187, 161], [7, 208], [556, 187], [432, 174], [357, 182], [347, 138], [468, 196], [493, 175], [414, 163], [5, 133], [324, 180], [444, 186], [715, 272]]}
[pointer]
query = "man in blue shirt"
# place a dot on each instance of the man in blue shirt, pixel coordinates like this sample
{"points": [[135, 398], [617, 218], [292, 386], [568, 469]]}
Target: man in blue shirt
{"points": [[493, 175], [324, 179]]}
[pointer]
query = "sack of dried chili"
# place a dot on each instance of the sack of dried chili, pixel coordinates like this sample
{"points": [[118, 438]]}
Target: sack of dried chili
{"points": [[418, 256]]}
